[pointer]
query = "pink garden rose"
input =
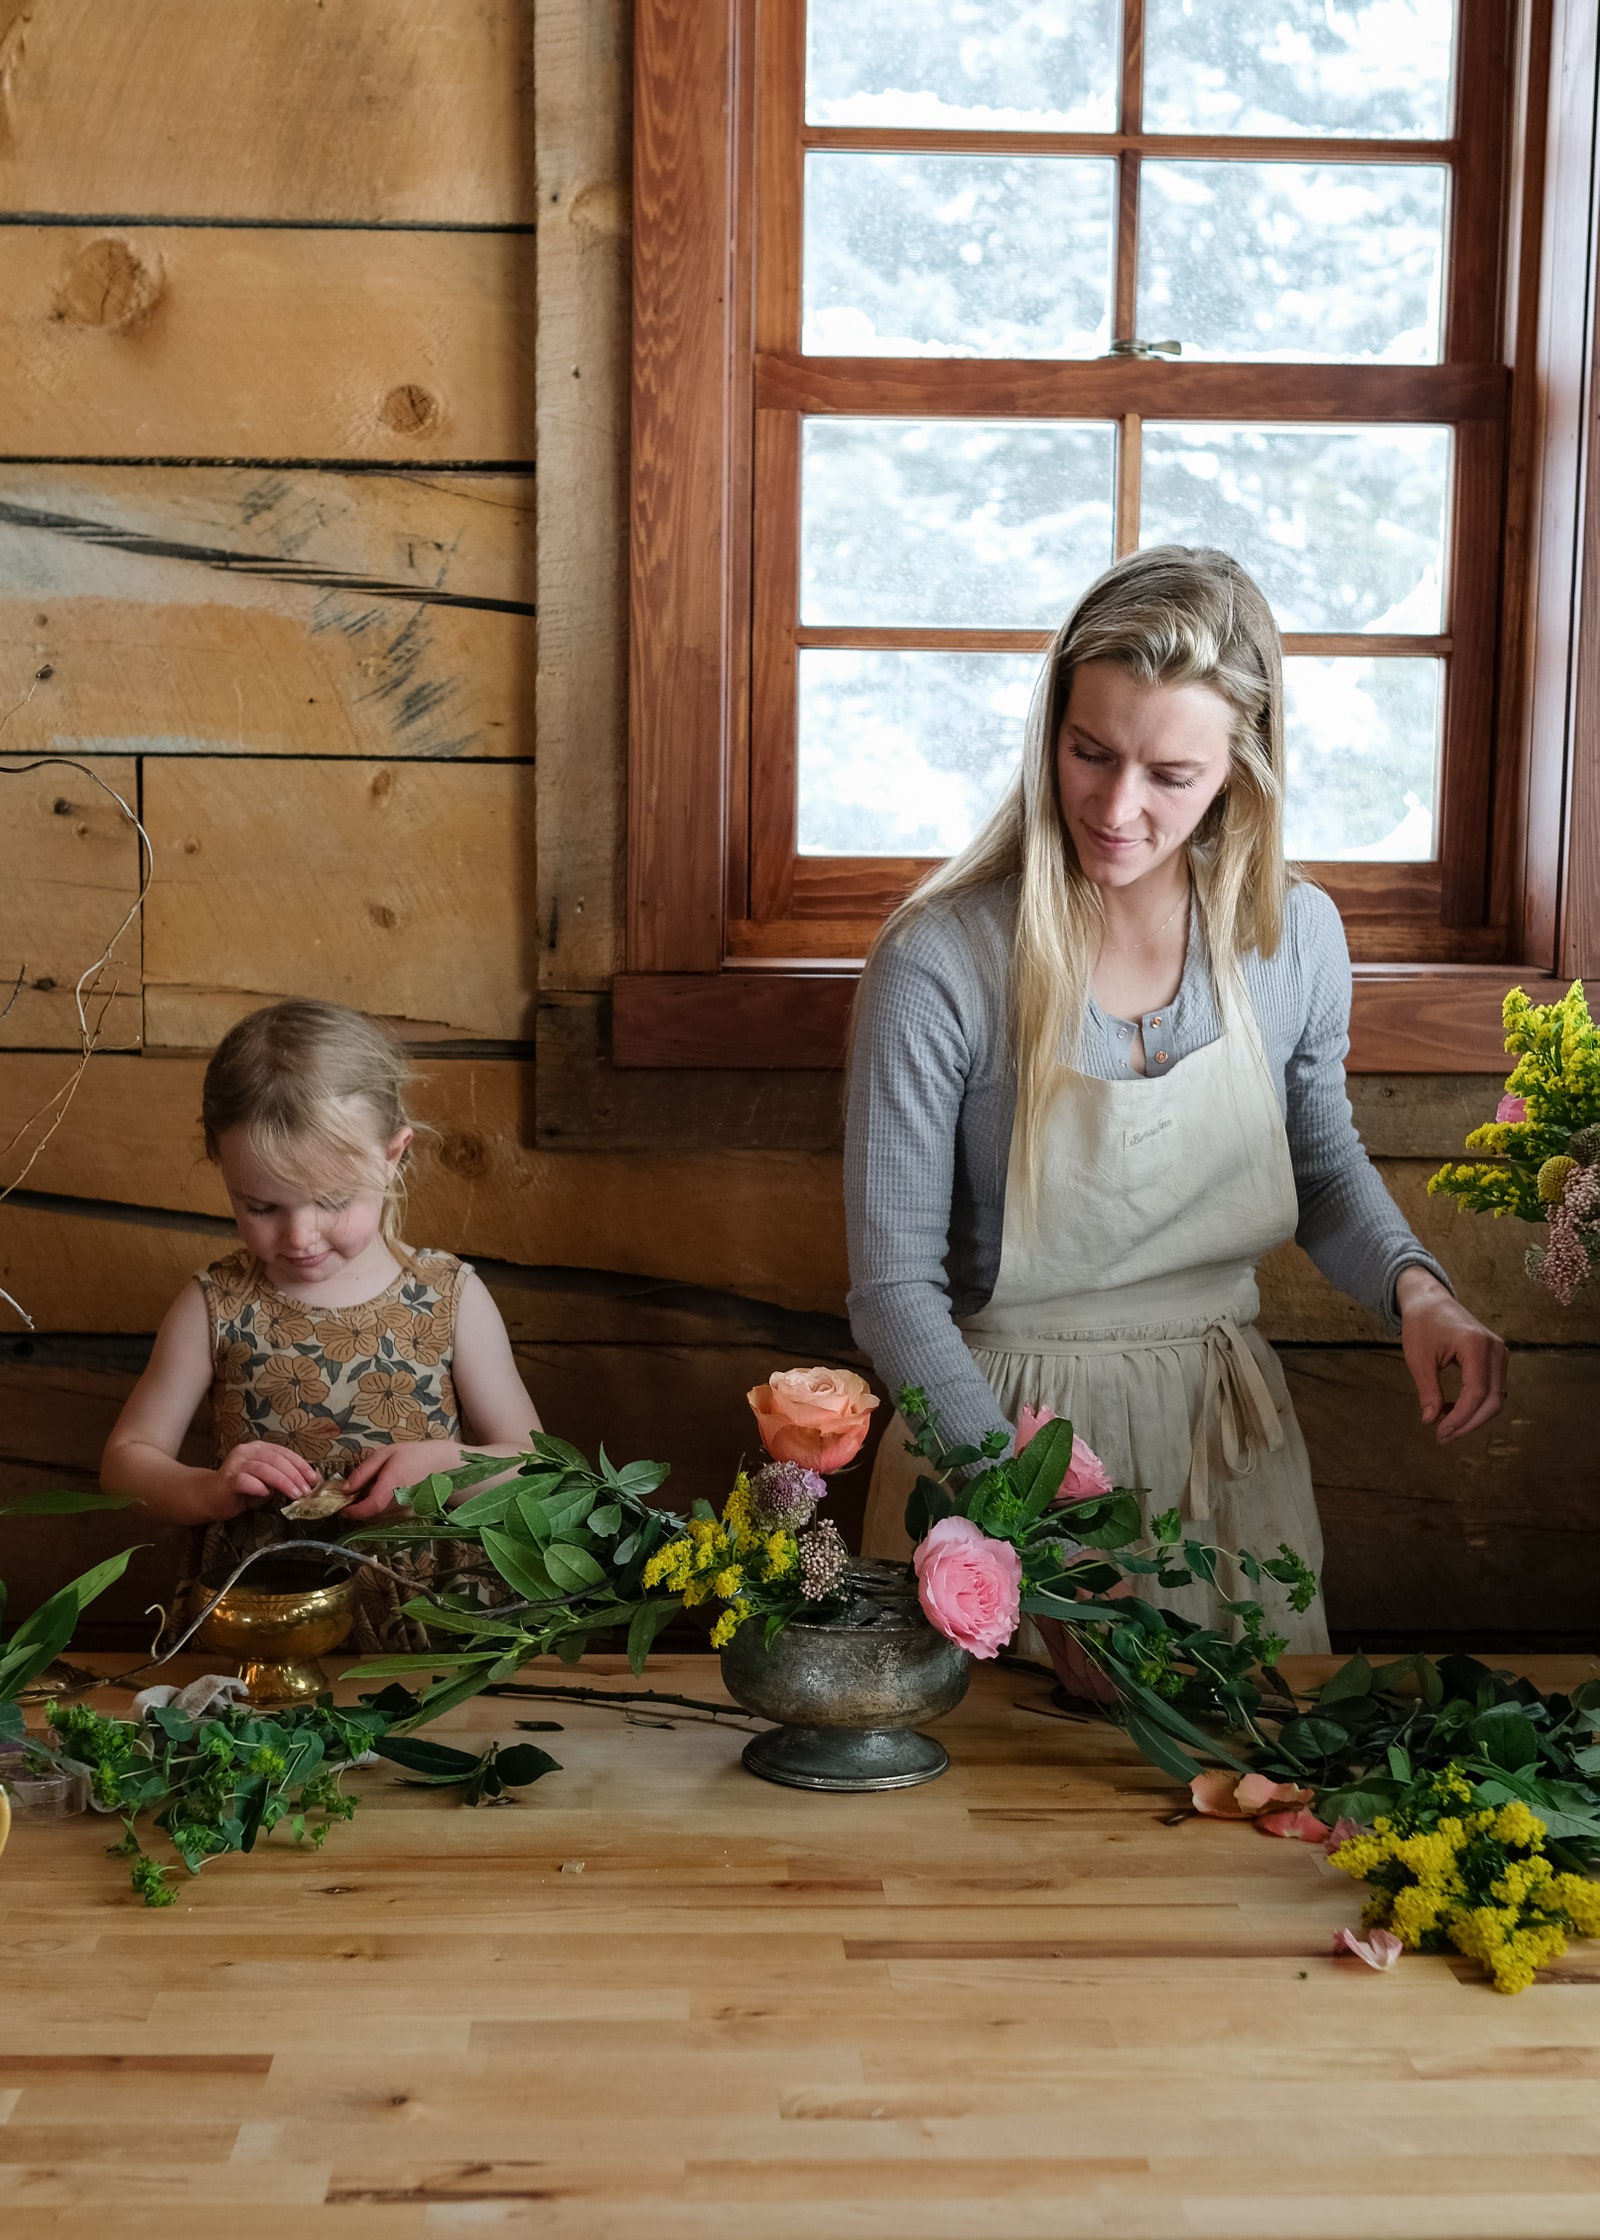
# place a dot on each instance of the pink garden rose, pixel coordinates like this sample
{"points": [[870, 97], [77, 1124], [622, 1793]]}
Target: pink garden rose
{"points": [[969, 1586], [1086, 1477], [1511, 1109], [816, 1417], [1030, 1420]]}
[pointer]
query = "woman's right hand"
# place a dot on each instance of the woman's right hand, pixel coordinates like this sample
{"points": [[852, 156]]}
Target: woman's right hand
{"points": [[252, 1473]]}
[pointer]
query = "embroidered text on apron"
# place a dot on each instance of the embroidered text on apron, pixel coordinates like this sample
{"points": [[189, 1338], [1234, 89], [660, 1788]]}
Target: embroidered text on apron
{"points": [[1128, 1304]]}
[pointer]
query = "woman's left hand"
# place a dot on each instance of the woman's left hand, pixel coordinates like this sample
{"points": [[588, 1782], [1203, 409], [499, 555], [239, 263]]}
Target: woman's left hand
{"points": [[382, 1470], [1435, 1328]]}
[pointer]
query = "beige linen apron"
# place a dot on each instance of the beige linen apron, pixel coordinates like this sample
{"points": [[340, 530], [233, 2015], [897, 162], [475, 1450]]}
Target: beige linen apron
{"points": [[1128, 1304]]}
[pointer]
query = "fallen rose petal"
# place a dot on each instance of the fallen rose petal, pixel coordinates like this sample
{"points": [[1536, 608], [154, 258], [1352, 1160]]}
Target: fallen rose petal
{"points": [[1213, 1794], [1381, 1950], [1298, 1827], [1342, 1830], [1255, 1793]]}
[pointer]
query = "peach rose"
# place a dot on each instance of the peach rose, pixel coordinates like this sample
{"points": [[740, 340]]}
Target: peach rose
{"points": [[969, 1586], [817, 1417]]}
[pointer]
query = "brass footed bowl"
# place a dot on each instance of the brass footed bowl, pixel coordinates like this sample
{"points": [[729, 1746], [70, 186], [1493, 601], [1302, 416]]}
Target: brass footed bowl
{"points": [[277, 1621]]}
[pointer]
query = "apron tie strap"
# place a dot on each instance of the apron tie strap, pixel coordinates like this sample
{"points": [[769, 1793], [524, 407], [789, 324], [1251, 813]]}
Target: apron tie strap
{"points": [[1237, 1402]]}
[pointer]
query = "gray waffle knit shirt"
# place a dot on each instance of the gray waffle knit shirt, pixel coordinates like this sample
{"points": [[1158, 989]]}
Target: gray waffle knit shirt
{"points": [[932, 1093]]}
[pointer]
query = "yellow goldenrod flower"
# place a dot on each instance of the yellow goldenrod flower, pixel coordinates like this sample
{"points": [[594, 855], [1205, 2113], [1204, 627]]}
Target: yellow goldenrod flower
{"points": [[736, 1510], [727, 1583], [665, 1561], [1359, 1856], [781, 1554], [1515, 1824], [1414, 1913]]}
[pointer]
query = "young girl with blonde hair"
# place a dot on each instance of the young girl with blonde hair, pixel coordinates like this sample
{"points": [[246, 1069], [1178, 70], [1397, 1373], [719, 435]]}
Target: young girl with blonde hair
{"points": [[327, 1346], [1098, 1071]]}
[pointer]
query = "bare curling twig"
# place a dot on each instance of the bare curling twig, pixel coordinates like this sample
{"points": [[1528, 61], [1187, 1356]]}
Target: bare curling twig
{"points": [[87, 989]]}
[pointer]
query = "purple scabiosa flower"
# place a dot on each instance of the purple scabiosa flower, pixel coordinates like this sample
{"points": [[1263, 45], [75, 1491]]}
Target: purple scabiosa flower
{"points": [[824, 1560], [785, 1494]]}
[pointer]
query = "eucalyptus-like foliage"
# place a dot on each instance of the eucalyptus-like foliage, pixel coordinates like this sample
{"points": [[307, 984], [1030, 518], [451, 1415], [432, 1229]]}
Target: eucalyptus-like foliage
{"points": [[552, 1555]]}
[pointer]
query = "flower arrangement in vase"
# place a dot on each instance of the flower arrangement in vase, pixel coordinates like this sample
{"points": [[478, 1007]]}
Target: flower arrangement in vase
{"points": [[1545, 1140], [1041, 1531]]}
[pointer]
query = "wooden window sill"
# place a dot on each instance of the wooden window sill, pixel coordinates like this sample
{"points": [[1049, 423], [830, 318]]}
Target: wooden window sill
{"points": [[793, 1015]]}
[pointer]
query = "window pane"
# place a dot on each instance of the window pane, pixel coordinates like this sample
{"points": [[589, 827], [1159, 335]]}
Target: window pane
{"points": [[1367, 70], [1363, 751], [903, 754], [957, 256], [1343, 528], [1337, 263], [1036, 65], [977, 524]]}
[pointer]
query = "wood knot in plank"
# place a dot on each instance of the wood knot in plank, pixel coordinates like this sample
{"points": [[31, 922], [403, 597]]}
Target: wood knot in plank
{"points": [[111, 284], [411, 410], [464, 1155], [383, 915], [606, 209]]}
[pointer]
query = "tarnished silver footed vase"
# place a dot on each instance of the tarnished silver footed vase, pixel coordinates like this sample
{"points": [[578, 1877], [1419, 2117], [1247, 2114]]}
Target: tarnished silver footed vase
{"points": [[849, 1697]]}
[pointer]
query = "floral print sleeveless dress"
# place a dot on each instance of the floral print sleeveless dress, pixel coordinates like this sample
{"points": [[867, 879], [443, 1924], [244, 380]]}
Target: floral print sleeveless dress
{"points": [[332, 1382]]}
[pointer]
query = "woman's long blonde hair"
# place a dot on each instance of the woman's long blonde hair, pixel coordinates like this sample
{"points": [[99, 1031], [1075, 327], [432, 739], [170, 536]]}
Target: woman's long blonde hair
{"points": [[1170, 616], [318, 1092]]}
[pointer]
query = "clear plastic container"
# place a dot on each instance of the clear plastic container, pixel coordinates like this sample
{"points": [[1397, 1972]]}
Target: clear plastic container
{"points": [[42, 1785]]}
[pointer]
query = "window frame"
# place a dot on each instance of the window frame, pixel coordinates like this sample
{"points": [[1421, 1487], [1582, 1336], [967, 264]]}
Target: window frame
{"points": [[731, 946]]}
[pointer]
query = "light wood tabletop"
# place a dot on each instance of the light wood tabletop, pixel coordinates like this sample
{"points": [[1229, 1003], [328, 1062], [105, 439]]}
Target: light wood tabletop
{"points": [[658, 1997]]}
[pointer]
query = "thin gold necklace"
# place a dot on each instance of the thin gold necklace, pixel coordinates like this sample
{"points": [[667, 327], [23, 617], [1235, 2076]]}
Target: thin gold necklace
{"points": [[1118, 948]]}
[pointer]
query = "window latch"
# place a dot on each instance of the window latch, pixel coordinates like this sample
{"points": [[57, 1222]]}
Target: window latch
{"points": [[1132, 347]]}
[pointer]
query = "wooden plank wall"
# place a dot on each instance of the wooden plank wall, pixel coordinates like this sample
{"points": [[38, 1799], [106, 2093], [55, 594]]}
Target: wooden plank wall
{"points": [[296, 298]]}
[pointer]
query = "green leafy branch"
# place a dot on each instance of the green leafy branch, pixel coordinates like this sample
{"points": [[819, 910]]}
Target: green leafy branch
{"points": [[1375, 1730], [482, 1777], [559, 1548], [1168, 1673]]}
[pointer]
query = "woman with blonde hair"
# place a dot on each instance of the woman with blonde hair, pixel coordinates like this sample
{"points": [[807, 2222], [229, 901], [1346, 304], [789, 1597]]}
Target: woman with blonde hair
{"points": [[1098, 1071]]}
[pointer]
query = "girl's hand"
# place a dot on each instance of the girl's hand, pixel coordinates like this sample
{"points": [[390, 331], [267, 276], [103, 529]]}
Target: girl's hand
{"points": [[1435, 1329], [255, 1472], [382, 1470]]}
